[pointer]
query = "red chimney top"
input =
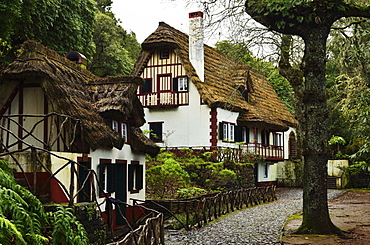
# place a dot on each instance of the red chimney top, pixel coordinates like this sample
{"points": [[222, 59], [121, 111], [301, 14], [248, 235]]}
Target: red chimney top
{"points": [[196, 14]]}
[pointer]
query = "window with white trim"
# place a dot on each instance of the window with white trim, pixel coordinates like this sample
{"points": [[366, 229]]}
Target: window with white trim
{"points": [[115, 125], [180, 84], [107, 176], [245, 134], [183, 84], [124, 131], [121, 128], [135, 176], [227, 131]]}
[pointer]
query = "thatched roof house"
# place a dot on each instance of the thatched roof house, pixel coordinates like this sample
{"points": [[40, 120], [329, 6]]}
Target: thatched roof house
{"points": [[76, 92], [224, 81]]}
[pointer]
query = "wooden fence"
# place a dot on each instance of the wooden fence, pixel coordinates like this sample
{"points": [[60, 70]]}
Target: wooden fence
{"points": [[150, 232], [200, 211]]}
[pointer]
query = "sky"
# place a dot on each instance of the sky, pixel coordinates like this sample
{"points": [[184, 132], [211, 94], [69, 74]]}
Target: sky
{"points": [[143, 16]]}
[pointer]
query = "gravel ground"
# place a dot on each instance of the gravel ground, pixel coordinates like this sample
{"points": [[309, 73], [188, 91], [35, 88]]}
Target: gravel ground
{"points": [[257, 225]]}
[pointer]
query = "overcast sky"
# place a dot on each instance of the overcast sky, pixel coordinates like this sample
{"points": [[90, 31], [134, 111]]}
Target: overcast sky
{"points": [[143, 16]]}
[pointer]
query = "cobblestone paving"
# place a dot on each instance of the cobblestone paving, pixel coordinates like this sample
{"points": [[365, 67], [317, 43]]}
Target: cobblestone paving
{"points": [[257, 225]]}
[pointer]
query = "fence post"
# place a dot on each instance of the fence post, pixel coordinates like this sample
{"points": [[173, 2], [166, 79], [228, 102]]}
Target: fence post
{"points": [[72, 184]]}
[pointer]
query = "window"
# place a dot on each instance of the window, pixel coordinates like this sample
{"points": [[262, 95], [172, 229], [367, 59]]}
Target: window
{"points": [[245, 134], [164, 53], [266, 171], [277, 139], [265, 137], [121, 128], [115, 126], [227, 131], [135, 176], [124, 132], [180, 84], [231, 132], [107, 176], [156, 129]]}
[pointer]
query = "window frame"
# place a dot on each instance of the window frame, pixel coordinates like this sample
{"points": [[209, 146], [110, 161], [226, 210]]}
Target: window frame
{"points": [[158, 135], [182, 84], [115, 125], [135, 177], [107, 176], [164, 53], [124, 131], [227, 131]]}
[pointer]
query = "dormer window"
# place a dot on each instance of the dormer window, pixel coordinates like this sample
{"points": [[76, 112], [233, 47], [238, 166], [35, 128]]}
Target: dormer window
{"points": [[164, 53], [115, 126], [124, 132], [245, 94], [121, 128]]}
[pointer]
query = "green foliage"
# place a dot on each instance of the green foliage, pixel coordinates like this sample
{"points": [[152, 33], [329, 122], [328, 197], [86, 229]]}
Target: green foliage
{"points": [[22, 214], [23, 219], [209, 175], [67, 230], [85, 26], [190, 192], [111, 41], [61, 25], [359, 173], [164, 180]]}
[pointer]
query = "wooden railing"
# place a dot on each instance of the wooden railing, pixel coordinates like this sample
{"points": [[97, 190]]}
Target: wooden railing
{"points": [[269, 152], [202, 210], [239, 154], [149, 232], [164, 99]]}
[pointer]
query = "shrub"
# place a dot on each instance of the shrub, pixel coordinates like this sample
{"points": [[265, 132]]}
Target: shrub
{"points": [[164, 180]]}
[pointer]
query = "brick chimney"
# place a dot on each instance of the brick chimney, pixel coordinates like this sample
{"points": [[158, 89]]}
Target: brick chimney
{"points": [[196, 45]]}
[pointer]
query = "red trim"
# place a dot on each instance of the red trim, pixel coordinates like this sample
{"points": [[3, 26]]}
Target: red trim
{"points": [[56, 193], [172, 64], [196, 14], [213, 127]]}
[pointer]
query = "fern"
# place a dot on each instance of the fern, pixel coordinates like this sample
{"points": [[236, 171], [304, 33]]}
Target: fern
{"points": [[9, 234], [67, 230]]}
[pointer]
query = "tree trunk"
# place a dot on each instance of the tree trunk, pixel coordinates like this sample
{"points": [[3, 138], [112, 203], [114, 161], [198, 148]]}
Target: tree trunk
{"points": [[313, 125]]}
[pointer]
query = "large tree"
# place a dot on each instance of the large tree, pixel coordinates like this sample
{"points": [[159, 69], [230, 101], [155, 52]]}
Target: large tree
{"points": [[62, 25], [311, 20]]}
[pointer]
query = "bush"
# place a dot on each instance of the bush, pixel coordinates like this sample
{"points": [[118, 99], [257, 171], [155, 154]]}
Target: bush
{"points": [[190, 192], [164, 180]]}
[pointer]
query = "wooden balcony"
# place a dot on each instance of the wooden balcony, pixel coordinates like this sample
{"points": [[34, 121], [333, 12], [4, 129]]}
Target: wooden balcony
{"points": [[268, 152], [170, 99]]}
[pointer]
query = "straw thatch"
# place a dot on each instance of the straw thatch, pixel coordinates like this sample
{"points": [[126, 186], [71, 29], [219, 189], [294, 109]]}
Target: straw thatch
{"points": [[76, 92], [224, 81]]}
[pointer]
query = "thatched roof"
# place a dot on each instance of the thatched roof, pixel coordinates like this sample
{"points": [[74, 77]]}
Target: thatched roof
{"points": [[76, 92], [224, 81]]}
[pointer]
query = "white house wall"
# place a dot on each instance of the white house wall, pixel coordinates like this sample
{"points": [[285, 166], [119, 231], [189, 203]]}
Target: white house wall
{"points": [[113, 154], [183, 126]]}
